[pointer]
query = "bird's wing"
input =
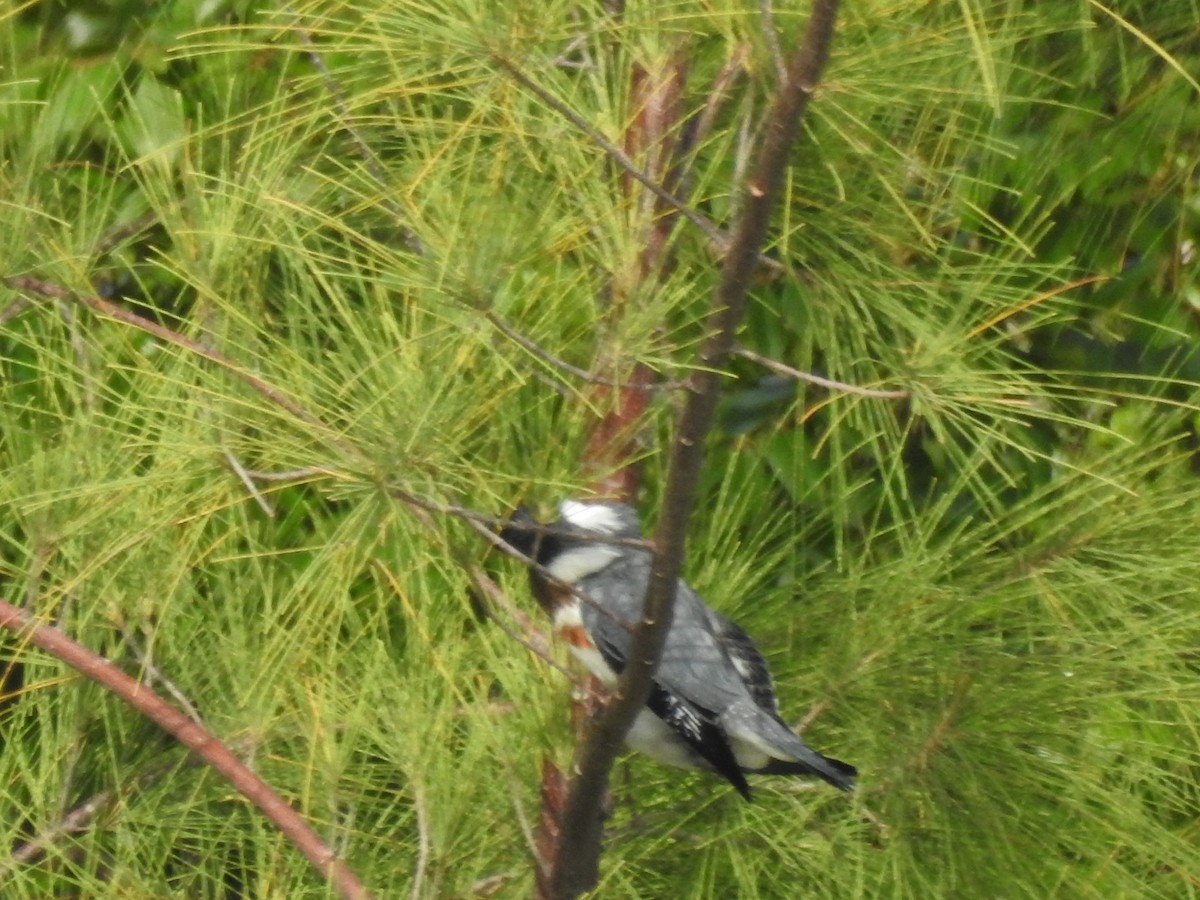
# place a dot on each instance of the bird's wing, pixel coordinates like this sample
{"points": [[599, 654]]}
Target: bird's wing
{"points": [[694, 665], [697, 727], [748, 661]]}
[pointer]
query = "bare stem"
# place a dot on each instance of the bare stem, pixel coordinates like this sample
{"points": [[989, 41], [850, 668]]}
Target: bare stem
{"points": [[791, 372], [200, 742], [771, 36], [247, 481], [559, 363], [577, 854]]}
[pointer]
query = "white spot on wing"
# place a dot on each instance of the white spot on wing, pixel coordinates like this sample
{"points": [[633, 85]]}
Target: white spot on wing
{"points": [[599, 517], [743, 668]]}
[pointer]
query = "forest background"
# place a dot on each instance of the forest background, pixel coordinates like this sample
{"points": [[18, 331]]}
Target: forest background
{"points": [[289, 290]]}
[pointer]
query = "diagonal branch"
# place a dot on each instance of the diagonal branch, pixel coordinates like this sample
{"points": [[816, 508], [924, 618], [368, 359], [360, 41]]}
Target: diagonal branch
{"points": [[559, 363], [578, 849], [370, 158], [792, 372], [615, 153], [113, 311], [202, 743]]}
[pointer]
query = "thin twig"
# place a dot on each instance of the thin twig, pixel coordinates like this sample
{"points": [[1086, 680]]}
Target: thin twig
{"points": [[42, 551], [522, 817], [199, 741], [113, 311], [120, 233], [743, 149], [811, 716], [74, 821], [423, 844], [155, 675], [771, 36], [885, 830], [942, 729], [14, 309], [288, 475], [784, 369], [82, 357], [720, 240], [373, 163], [578, 42], [721, 84], [533, 639], [81, 814], [615, 153], [559, 363], [240, 471]]}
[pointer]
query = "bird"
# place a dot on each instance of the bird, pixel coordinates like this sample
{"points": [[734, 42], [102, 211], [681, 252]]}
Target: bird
{"points": [[712, 704]]}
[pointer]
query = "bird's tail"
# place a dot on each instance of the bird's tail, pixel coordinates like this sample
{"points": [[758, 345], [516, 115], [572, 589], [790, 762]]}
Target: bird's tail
{"points": [[774, 738], [838, 773]]}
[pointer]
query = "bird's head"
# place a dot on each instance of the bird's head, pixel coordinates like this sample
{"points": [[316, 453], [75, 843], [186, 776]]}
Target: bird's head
{"points": [[574, 546], [605, 518], [517, 533]]}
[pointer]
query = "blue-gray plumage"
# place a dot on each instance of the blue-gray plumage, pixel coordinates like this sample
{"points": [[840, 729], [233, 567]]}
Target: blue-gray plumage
{"points": [[712, 705]]}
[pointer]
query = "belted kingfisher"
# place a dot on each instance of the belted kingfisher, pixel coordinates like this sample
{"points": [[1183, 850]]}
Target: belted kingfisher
{"points": [[712, 705]]}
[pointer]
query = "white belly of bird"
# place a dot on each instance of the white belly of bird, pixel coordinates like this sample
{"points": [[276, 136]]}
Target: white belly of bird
{"points": [[567, 619], [652, 736]]}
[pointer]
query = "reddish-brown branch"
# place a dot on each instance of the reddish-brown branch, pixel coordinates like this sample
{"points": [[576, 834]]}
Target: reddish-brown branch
{"points": [[578, 847], [655, 140], [611, 445], [200, 742], [121, 233], [718, 94]]}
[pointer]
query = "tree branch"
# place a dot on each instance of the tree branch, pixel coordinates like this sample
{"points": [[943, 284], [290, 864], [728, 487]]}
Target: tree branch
{"points": [[80, 816], [559, 363], [578, 850], [370, 158], [771, 36], [799, 375], [200, 742], [113, 311]]}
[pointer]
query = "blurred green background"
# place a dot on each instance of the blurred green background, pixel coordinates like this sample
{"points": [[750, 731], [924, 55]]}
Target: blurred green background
{"points": [[983, 593]]}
